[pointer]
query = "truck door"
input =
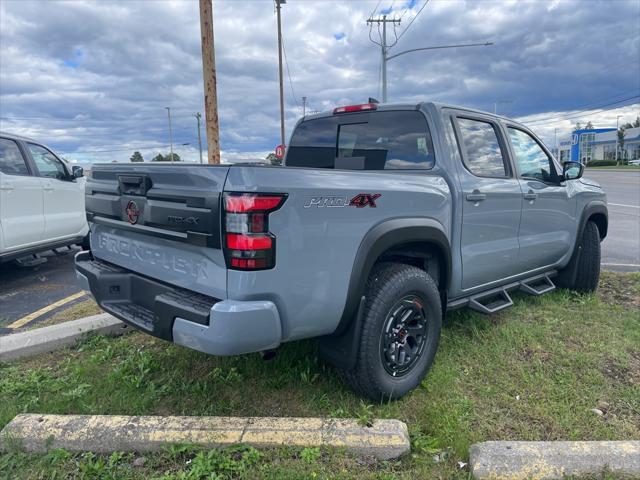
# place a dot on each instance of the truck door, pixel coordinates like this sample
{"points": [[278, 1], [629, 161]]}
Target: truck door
{"points": [[63, 198], [548, 224], [491, 202], [21, 203]]}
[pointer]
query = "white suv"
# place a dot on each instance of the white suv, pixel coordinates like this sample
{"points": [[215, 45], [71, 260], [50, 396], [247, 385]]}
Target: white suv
{"points": [[41, 199]]}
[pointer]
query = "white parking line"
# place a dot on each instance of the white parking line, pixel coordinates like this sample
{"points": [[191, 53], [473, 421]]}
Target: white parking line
{"points": [[623, 205], [620, 264]]}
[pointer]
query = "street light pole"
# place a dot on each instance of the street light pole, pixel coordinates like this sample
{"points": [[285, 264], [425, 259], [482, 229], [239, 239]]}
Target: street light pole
{"points": [[304, 106], [170, 132], [386, 58], [199, 137], [278, 3], [617, 137]]}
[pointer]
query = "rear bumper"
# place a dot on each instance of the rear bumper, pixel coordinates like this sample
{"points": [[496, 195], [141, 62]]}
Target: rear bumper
{"points": [[217, 327]]}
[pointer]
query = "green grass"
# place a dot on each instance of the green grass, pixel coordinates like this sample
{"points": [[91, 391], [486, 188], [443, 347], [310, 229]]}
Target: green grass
{"points": [[533, 372]]}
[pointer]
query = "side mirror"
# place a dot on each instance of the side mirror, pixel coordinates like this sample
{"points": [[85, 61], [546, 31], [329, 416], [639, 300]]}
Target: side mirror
{"points": [[572, 170], [77, 172]]}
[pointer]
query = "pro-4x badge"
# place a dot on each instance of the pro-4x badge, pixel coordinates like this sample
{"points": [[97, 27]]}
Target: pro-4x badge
{"points": [[336, 201], [364, 200]]}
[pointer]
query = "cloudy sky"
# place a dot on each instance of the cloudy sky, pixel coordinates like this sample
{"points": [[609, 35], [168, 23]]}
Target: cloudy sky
{"points": [[92, 79]]}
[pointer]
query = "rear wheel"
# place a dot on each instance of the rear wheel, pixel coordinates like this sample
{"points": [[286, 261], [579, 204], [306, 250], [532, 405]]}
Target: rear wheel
{"points": [[588, 262], [400, 333]]}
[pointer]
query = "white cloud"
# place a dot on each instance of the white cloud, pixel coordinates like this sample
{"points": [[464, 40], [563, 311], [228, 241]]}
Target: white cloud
{"points": [[85, 76]]}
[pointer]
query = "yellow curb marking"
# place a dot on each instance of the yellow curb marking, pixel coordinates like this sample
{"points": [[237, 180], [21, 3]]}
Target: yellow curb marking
{"points": [[32, 316]]}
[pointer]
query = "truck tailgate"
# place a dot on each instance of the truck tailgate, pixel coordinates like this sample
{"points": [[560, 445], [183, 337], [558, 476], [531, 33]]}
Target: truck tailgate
{"points": [[162, 221]]}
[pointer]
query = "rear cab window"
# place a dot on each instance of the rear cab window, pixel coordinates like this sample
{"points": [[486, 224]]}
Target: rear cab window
{"points": [[384, 140], [11, 160]]}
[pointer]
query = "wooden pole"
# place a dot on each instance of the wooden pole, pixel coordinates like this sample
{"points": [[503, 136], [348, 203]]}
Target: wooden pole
{"points": [[278, 2], [209, 74]]}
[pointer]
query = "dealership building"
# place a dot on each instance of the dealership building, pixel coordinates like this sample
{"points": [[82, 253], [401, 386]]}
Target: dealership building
{"points": [[598, 144]]}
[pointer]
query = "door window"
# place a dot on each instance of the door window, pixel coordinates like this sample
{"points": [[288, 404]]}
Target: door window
{"points": [[483, 153], [11, 159], [47, 163], [531, 160]]}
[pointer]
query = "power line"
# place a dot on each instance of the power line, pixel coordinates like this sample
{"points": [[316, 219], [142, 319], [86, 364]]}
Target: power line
{"points": [[133, 147], [286, 62], [594, 104], [579, 114], [412, 20], [375, 8]]}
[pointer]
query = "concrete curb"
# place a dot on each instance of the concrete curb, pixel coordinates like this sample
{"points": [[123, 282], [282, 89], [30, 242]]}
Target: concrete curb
{"points": [[553, 460], [48, 339], [385, 439]]}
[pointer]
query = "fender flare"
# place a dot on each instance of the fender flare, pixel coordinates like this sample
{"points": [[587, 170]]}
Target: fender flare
{"points": [[341, 347]]}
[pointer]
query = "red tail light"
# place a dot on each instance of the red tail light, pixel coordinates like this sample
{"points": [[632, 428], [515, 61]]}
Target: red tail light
{"points": [[248, 243], [355, 108]]}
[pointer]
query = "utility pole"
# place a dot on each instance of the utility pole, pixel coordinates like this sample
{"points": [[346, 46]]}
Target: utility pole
{"points": [[304, 106], [384, 48], [278, 4], [170, 132], [209, 74], [197, 115], [555, 141]]}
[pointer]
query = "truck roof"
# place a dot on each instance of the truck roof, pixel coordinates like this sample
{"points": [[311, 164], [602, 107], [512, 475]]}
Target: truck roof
{"points": [[414, 106]]}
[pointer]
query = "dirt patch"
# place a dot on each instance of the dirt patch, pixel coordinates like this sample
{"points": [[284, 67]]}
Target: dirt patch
{"points": [[625, 374], [620, 289]]}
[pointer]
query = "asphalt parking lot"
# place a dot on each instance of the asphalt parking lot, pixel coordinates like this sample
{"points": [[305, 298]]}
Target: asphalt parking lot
{"points": [[621, 248], [26, 290]]}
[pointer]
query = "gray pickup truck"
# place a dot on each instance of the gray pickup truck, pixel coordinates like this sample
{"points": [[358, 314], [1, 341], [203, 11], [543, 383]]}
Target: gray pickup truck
{"points": [[382, 218]]}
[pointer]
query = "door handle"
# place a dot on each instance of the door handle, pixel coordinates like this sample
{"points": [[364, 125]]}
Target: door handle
{"points": [[530, 195], [476, 196]]}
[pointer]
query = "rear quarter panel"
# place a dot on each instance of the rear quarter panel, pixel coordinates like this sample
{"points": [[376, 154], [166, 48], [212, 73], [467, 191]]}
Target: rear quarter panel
{"points": [[316, 245]]}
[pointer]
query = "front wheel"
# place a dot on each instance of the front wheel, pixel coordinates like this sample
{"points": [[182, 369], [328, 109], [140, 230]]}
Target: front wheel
{"points": [[587, 269], [400, 333]]}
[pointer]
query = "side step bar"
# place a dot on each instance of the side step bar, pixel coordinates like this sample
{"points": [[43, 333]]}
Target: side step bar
{"points": [[491, 302], [537, 285], [497, 299]]}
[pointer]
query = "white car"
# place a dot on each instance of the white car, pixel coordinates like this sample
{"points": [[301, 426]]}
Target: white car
{"points": [[41, 199]]}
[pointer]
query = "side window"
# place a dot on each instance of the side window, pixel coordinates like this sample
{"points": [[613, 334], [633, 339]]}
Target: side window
{"points": [[483, 153], [11, 159], [47, 163], [531, 159]]}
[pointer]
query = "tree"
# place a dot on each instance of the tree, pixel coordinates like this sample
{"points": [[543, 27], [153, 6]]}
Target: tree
{"points": [[636, 123], [620, 149], [273, 160], [137, 157], [166, 158], [577, 127], [588, 126]]}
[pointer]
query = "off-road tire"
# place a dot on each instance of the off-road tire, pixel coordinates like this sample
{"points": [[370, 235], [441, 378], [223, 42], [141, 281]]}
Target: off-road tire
{"points": [[387, 284], [586, 264], [588, 272]]}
